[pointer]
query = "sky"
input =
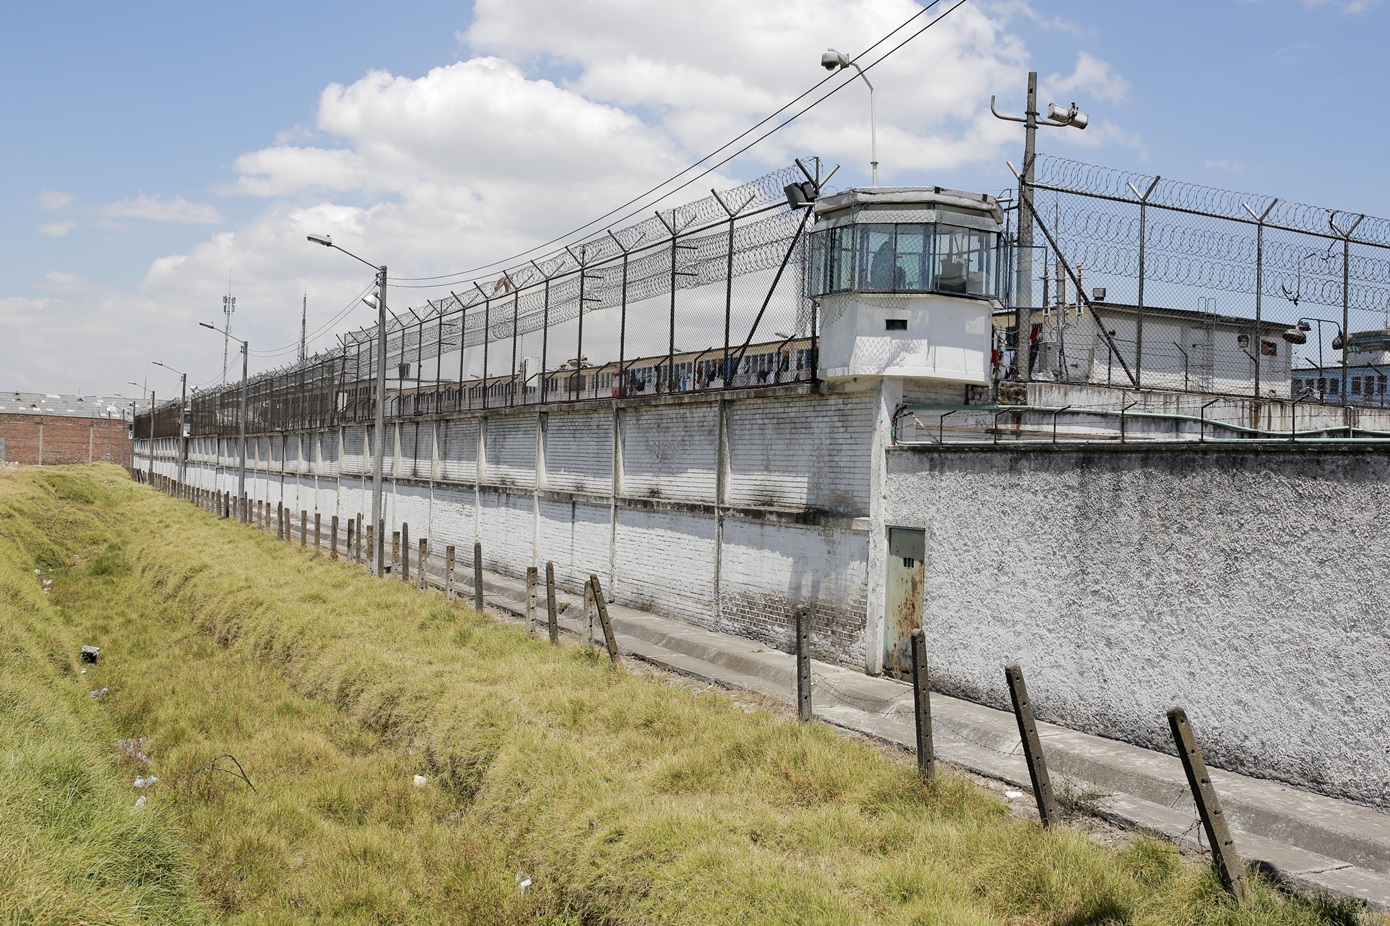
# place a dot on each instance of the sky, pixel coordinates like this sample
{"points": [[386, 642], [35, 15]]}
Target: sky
{"points": [[157, 156]]}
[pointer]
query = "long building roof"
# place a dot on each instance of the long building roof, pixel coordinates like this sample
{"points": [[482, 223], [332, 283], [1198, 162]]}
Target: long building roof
{"points": [[61, 406]]}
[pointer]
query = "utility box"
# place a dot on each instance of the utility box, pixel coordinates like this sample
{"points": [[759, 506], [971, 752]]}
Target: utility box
{"points": [[906, 279]]}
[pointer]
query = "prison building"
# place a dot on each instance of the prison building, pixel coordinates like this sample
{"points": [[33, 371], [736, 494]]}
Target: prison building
{"points": [[43, 428]]}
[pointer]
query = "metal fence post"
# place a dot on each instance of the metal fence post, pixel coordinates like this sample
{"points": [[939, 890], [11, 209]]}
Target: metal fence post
{"points": [[1032, 746]]}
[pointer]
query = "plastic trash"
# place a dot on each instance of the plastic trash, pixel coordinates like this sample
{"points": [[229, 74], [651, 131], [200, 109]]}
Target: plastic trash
{"points": [[1013, 794], [421, 781], [522, 882], [139, 802], [145, 782]]}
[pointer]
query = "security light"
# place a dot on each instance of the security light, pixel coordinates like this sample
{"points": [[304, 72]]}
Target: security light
{"points": [[1295, 335], [325, 240], [1063, 115]]}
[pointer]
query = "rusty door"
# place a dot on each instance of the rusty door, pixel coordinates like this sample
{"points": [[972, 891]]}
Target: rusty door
{"points": [[906, 550]]}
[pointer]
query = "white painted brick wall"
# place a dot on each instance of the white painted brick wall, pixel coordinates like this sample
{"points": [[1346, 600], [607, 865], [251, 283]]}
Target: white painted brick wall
{"points": [[452, 521], [458, 450], [511, 450], [805, 452], [506, 531], [575, 537], [670, 451], [579, 452], [665, 561], [354, 440]]}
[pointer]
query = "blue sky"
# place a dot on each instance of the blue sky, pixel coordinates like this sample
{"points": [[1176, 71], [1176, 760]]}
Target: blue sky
{"points": [[156, 153]]}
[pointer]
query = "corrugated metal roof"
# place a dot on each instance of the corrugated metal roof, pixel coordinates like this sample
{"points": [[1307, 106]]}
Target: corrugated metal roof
{"points": [[62, 406]]}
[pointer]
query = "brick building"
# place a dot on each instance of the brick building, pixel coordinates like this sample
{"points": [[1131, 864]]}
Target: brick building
{"points": [[38, 428]]}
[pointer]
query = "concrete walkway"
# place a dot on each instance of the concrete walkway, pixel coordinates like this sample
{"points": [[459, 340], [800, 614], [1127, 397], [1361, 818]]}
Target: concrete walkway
{"points": [[1316, 843]]}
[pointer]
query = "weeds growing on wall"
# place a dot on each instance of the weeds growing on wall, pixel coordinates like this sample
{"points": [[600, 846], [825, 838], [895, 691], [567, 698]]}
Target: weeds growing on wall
{"points": [[551, 787]]}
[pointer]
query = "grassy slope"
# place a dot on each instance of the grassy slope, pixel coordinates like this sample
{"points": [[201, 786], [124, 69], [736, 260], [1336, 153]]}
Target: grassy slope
{"points": [[624, 800]]}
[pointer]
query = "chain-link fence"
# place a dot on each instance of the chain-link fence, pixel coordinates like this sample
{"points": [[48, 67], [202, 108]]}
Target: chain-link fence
{"points": [[1161, 284], [708, 295]]}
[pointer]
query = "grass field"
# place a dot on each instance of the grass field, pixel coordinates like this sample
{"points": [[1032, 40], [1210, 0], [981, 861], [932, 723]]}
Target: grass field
{"points": [[619, 798]]}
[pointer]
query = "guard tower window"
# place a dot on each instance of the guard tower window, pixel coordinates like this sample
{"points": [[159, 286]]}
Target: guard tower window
{"points": [[904, 258]]}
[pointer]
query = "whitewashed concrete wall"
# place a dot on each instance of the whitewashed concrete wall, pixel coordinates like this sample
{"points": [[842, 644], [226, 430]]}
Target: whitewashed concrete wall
{"points": [[728, 511], [1247, 585]]}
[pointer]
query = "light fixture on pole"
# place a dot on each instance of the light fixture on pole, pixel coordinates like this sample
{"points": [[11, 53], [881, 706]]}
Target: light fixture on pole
{"points": [[833, 60], [241, 440], [183, 412], [379, 419], [1023, 292]]}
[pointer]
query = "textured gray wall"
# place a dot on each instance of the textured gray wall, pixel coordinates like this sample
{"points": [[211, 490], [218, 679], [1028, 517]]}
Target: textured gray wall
{"points": [[1248, 585]]}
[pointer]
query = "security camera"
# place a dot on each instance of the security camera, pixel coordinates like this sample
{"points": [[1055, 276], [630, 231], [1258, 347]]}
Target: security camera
{"points": [[832, 59], [1067, 115]]}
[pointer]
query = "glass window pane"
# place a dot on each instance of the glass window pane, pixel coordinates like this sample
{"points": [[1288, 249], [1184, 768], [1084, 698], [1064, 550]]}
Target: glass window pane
{"points": [[876, 258], [911, 270]]}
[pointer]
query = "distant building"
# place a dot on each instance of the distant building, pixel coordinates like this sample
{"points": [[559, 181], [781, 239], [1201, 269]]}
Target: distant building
{"points": [[1183, 350], [43, 428], [1363, 382]]}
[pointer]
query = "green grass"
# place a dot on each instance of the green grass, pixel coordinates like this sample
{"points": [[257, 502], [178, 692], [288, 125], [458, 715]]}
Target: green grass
{"points": [[623, 799]]}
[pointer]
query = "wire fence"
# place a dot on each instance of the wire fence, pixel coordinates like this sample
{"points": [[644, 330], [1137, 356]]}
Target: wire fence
{"points": [[1161, 284], [707, 295]]}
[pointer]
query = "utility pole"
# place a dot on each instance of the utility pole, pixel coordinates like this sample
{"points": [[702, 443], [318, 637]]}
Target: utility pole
{"points": [[228, 309]]}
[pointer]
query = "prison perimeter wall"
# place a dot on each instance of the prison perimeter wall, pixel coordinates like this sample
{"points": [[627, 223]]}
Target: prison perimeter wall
{"points": [[1247, 584]]}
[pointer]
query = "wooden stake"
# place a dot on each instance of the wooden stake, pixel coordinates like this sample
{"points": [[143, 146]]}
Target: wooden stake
{"points": [[449, 573], [318, 532], [531, 575], [1032, 746], [921, 701], [333, 539], [609, 639], [1223, 848], [303, 528], [405, 552], [803, 664], [551, 614], [478, 577]]}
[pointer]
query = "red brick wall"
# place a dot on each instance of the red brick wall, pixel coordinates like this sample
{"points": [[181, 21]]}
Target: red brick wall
{"points": [[63, 439]]}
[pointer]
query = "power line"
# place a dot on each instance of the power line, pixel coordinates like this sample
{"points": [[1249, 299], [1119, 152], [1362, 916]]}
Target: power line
{"points": [[642, 196]]}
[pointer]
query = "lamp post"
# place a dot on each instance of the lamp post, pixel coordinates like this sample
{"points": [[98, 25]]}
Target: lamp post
{"points": [[833, 60], [241, 439], [1298, 334], [1056, 116], [183, 408], [379, 419]]}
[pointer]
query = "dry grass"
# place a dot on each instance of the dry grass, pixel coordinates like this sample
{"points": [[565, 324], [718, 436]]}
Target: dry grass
{"points": [[623, 799]]}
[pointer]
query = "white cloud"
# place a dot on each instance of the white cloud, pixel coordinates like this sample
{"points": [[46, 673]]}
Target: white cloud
{"points": [[155, 209], [60, 281], [1092, 78], [1350, 7], [56, 229], [1225, 165], [53, 199]]}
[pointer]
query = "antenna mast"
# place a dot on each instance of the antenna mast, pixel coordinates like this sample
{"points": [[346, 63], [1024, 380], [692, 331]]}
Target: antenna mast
{"points": [[228, 309], [303, 326]]}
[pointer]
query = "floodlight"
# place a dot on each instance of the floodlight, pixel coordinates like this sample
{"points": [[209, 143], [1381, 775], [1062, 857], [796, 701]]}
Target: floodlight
{"points": [[325, 240], [1064, 115], [1295, 335], [369, 302]]}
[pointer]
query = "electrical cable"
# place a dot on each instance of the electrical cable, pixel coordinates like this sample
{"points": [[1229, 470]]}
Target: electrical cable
{"points": [[458, 275]]}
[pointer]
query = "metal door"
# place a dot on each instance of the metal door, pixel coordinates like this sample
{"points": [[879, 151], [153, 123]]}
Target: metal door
{"points": [[907, 548]]}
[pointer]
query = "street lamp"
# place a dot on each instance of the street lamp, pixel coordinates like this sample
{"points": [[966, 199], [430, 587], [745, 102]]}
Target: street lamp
{"points": [[833, 60], [241, 441], [379, 419], [1298, 334], [183, 409], [1023, 293]]}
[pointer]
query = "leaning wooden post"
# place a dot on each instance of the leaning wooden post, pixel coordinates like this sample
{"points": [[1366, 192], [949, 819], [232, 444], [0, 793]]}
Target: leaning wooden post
{"points": [[478, 576], [333, 538], [303, 528], [405, 552], [803, 664], [552, 615], [1223, 849], [921, 702], [420, 563], [531, 574], [609, 639], [1032, 745], [449, 573], [318, 532]]}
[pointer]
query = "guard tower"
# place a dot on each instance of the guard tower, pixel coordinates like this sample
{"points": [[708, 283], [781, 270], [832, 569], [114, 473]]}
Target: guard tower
{"points": [[906, 278]]}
